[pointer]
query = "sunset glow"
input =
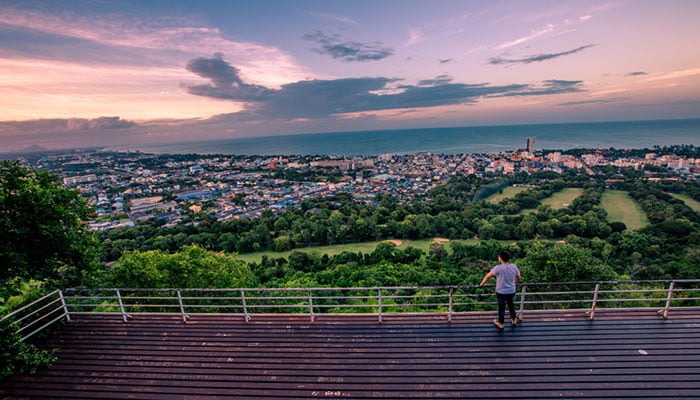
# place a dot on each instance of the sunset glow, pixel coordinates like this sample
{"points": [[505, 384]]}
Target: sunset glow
{"points": [[245, 68]]}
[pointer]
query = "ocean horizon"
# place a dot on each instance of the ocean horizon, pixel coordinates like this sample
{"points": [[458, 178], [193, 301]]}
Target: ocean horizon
{"points": [[452, 140]]}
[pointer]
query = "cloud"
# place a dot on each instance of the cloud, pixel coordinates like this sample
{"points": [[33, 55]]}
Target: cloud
{"points": [[46, 126], [337, 18], [536, 57], [121, 39], [548, 87], [347, 51], [534, 35], [226, 81], [79, 124], [414, 36], [594, 101], [637, 73], [675, 75], [439, 80], [445, 60], [330, 98]]}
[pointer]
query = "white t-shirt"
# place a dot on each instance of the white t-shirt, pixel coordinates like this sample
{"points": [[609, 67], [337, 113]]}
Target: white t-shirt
{"points": [[505, 277]]}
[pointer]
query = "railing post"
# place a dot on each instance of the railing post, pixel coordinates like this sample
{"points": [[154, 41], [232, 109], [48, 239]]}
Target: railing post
{"points": [[125, 316], [664, 312], [449, 313], [245, 307], [379, 304], [182, 307], [63, 304], [311, 307], [522, 303], [591, 313]]}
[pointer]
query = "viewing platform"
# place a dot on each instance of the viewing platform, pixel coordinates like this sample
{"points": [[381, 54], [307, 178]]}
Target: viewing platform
{"points": [[618, 351]]}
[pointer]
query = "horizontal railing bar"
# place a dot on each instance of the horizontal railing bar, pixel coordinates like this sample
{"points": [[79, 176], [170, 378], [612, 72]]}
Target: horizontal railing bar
{"points": [[151, 305], [19, 310], [376, 300], [679, 281], [37, 330], [90, 304], [38, 310], [41, 318], [622, 300]]}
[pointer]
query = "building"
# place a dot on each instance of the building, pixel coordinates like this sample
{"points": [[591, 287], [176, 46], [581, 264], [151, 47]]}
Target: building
{"points": [[530, 144], [76, 180]]}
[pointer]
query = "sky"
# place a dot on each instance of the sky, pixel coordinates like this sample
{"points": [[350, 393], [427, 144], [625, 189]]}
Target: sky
{"points": [[102, 73]]}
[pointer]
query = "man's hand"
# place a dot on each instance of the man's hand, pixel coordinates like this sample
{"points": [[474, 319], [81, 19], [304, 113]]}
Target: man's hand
{"points": [[486, 279]]}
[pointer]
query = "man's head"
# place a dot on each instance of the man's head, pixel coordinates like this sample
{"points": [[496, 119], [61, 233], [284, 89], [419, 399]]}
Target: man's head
{"points": [[504, 256]]}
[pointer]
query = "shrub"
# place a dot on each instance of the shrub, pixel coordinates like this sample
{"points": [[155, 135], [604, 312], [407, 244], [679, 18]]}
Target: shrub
{"points": [[18, 356]]}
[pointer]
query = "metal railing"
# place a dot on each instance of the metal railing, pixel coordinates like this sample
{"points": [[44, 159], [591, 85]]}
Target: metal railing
{"points": [[38, 315], [656, 296]]}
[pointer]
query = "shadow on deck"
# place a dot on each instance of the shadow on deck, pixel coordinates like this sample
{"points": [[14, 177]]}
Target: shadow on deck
{"points": [[619, 355]]}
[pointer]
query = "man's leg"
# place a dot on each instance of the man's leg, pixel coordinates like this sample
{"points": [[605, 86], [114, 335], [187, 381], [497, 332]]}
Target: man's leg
{"points": [[511, 305], [502, 300], [511, 308]]}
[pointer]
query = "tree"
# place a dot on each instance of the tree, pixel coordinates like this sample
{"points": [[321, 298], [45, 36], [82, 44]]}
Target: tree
{"points": [[437, 252], [42, 234], [20, 357], [563, 263], [527, 228], [191, 267], [283, 243], [385, 251]]}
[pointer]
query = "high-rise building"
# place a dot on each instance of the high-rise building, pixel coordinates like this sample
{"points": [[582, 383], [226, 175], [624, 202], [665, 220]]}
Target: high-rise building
{"points": [[530, 145]]}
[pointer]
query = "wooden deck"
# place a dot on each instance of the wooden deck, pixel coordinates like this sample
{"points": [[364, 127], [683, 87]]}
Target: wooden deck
{"points": [[553, 355]]}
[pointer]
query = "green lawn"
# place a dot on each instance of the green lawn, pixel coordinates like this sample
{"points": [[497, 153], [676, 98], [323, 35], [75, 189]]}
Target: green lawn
{"points": [[694, 204], [365, 248], [510, 191], [562, 198], [621, 207]]}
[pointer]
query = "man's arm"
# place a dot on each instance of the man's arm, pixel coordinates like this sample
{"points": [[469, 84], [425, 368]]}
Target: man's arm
{"points": [[486, 278]]}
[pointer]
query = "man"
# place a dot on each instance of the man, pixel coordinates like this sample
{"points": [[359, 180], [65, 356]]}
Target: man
{"points": [[507, 276]]}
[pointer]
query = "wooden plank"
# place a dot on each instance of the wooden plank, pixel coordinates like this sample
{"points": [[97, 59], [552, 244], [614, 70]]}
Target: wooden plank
{"points": [[284, 377], [211, 358]]}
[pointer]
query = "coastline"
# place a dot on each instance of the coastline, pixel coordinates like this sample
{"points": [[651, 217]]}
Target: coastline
{"points": [[450, 140]]}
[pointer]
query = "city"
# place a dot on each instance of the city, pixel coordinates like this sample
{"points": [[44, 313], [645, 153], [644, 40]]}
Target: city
{"points": [[127, 188]]}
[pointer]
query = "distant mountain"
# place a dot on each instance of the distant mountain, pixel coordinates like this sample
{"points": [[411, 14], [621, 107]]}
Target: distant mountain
{"points": [[33, 149]]}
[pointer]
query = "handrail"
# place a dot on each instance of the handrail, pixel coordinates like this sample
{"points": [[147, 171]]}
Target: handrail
{"points": [[660, 295], [50, 307]]}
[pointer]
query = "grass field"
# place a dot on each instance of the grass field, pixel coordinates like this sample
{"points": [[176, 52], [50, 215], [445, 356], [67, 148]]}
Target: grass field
{"points": [[618, 204], [621, 207], [694, 204], [563, 198], [510, 191], [365, 248]]}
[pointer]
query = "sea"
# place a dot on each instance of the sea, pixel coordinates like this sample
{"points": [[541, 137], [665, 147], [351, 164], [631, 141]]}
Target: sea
{"points": [[452, 140]]}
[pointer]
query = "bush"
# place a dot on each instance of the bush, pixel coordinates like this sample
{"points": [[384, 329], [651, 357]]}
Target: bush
{"points": [[20, 357]]}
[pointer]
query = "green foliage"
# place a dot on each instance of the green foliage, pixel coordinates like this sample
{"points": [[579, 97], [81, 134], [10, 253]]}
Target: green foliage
{"points": [[18, 291], [488, 190], [191, 267], [283, 243], [19, 357], [563, 263], [42, 235]]}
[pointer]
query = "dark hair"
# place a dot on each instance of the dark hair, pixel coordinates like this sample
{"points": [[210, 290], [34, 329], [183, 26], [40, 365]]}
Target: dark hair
{"points": [[505, 256]]}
